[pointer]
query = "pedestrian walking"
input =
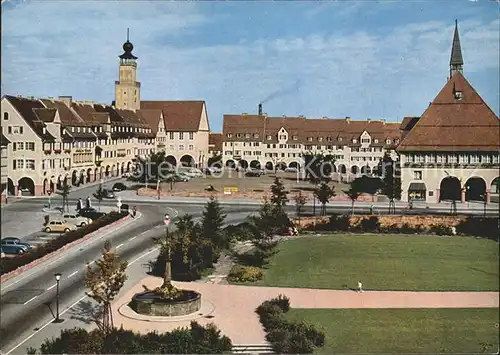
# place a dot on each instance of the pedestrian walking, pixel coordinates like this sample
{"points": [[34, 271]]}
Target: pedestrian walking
{"points": [[134, 211], [360, 286], [87, 202], [371, 209]]}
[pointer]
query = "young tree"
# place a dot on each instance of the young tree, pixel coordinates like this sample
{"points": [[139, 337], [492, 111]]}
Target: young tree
{"points": [[300, 201], [212, 224], [64, 192], [388, 169], [265, 227], [353, 193], [104, 282], [99, 195], [279, 196], [318, 167], [323, 193]]}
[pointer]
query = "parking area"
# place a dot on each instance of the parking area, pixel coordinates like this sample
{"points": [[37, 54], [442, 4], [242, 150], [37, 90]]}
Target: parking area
{"points": [[244, 184]]}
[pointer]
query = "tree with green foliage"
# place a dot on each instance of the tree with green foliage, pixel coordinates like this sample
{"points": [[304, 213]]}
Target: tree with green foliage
{"points": [[323, 193], [353, 193], [99, 195], [104, 282], [300, 202], [64, 192], [212, 223], [389, 171], [215, 160], [318, 167]]}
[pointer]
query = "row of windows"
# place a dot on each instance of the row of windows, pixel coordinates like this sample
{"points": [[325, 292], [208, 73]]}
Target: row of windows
{"points": [[82, 158], [171, 135], [181, 147], [309, 139], [20, 164], [56, 163], [23, 146], [454, 158], [364, 158]]}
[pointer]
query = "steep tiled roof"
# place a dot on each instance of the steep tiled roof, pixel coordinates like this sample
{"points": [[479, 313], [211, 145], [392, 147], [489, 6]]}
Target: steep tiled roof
{"points": [[113, 115], [178, 115], [215, 142], [26, 107], [66, 115], [3, 140], [328, 131], [151, 117], [452, 124], [45, 114]]}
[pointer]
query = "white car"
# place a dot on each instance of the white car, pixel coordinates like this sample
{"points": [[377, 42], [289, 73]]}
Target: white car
{"points": [[291, 170], [76, 219], [193, 172]]}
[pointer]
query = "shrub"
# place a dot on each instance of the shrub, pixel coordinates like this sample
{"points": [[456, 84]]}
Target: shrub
{"points": [[10, 264], [479, 226], [339, 222], [240, 273], [370, 225], [406, 229], [440, 229], [282, 302], [196, 339]]}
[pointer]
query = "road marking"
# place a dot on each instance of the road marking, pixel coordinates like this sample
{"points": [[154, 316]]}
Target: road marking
{"points": [[119, 246], [73, 274], [67, 309], [31, 299], [51, 287], [63, 255], [132, 238]]}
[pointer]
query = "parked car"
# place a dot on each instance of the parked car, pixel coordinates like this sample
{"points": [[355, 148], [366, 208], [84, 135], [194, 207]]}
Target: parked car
{"points": [[193, 172], [91, 213], [60, 226], [126, 175], [16, 241], [108, 193], [9, 247], [179, 177], [119, 186], [76, 219], [213, 170], [291, 170], [253, 173]]}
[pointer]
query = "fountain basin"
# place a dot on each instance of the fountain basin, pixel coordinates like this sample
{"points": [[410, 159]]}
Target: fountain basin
{"points": [[151, 303]]}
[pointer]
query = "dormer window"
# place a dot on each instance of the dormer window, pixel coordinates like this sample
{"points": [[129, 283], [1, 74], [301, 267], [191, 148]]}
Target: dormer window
{"points": [[340, 139], [256, 135], [320, 139], [376, 140], [294, 138], [269, 138], [396, 141], [354, 140], [309, 139], [388, 141], [459, 95], [238, 135], [247, 135], [329, 139]]}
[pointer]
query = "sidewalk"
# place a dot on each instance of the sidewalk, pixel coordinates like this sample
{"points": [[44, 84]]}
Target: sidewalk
{"points": [[234, 306], [130, 195]]}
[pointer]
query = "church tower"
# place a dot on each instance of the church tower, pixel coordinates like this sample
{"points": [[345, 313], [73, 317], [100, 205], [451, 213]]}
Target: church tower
{"points": [[456, 60], [127, 88]]}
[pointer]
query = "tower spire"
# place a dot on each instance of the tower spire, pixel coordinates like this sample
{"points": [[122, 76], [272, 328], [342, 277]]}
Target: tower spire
{"points": [[127, 34], [456, 59]]}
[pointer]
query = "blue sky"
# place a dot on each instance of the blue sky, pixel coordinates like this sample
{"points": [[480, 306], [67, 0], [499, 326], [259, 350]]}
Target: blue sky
{"points": [[363, 59]]}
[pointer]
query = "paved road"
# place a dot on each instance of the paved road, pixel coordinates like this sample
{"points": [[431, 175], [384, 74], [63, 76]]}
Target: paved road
{"points": [[28, 300]]}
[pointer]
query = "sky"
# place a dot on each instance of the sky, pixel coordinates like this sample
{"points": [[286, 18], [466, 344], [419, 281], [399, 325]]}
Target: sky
{"points": [[362, 59]]}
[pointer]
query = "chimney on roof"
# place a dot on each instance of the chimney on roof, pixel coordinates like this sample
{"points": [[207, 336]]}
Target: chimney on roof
{"points": [[382, 120], [301, 116], [244, 114], [44, 130], [260, 109], [30, 97], [19, 96], [347, 119], [66, 99], [51, 98], [325, 118], [368, 120]]}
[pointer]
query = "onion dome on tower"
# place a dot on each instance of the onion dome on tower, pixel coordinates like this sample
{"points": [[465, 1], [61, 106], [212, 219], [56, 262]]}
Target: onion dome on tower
{"points": [[127, 49]]}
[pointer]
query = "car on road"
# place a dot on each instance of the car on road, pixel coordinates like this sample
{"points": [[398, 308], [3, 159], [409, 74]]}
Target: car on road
{"points": [[119, 186], [108, 193], [291, 170], [60, 226], [193, 172], [76, 219], [126, 175], [253, 173], [9, 243], [213, 170], [90, 212], [179, 177]]}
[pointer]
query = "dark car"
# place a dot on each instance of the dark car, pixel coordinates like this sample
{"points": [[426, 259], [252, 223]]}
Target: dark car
{"points": [[253, 173], [108, 193], [119, 186], [14, 246], [91, 213]]}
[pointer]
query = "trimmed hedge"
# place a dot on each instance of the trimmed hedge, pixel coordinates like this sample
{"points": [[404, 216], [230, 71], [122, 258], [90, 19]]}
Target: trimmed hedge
{"points": [[286, 337], [486, 227], [240, 273], [196, 339], [10, 264]]}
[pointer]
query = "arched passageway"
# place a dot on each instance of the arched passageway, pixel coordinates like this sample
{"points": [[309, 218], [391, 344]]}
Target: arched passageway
{"points": [[27, 186], [187, 161], [475, 189], [243, 164], [269, 166], [230, 164], [450, 189], [255, 164]]}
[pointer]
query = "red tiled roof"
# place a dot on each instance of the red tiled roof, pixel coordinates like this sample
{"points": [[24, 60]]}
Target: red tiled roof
{"points": [[178, 115], [66, 115], [151, 117], [26, 108], [215, 142], [45, 114], [451, 124]]}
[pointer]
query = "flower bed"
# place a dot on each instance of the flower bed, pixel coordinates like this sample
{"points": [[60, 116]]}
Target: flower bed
{"points": [[10, 264]]}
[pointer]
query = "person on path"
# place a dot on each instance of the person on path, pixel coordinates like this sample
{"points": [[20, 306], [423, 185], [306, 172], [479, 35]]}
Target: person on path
{"points": [[371, 209], [360, 286], [87, 202]]}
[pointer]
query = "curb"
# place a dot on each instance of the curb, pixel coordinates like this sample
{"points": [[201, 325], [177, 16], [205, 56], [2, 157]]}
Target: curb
{"points": [[44, 258]]}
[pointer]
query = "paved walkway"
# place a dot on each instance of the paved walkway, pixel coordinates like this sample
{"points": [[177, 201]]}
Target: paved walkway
{"points": [[234, 306]]}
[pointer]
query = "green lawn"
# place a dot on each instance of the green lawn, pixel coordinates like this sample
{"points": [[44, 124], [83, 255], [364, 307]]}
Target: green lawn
{"points": [[404, 330], [386, 262]]}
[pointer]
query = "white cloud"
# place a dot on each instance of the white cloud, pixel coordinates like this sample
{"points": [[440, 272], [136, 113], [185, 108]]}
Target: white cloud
{"points": [[47, 53]]}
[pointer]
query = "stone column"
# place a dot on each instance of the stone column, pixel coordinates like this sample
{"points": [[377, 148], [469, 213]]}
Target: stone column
{"points": [[437, 195], [488, 196], [462, 196]]}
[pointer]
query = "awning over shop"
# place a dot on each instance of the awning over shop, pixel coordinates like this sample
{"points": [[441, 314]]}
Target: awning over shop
{"points": [[417, 186]]}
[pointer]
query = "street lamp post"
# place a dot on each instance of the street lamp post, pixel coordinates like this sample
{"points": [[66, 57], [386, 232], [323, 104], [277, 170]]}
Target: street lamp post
{"points": [[58, 278]]}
